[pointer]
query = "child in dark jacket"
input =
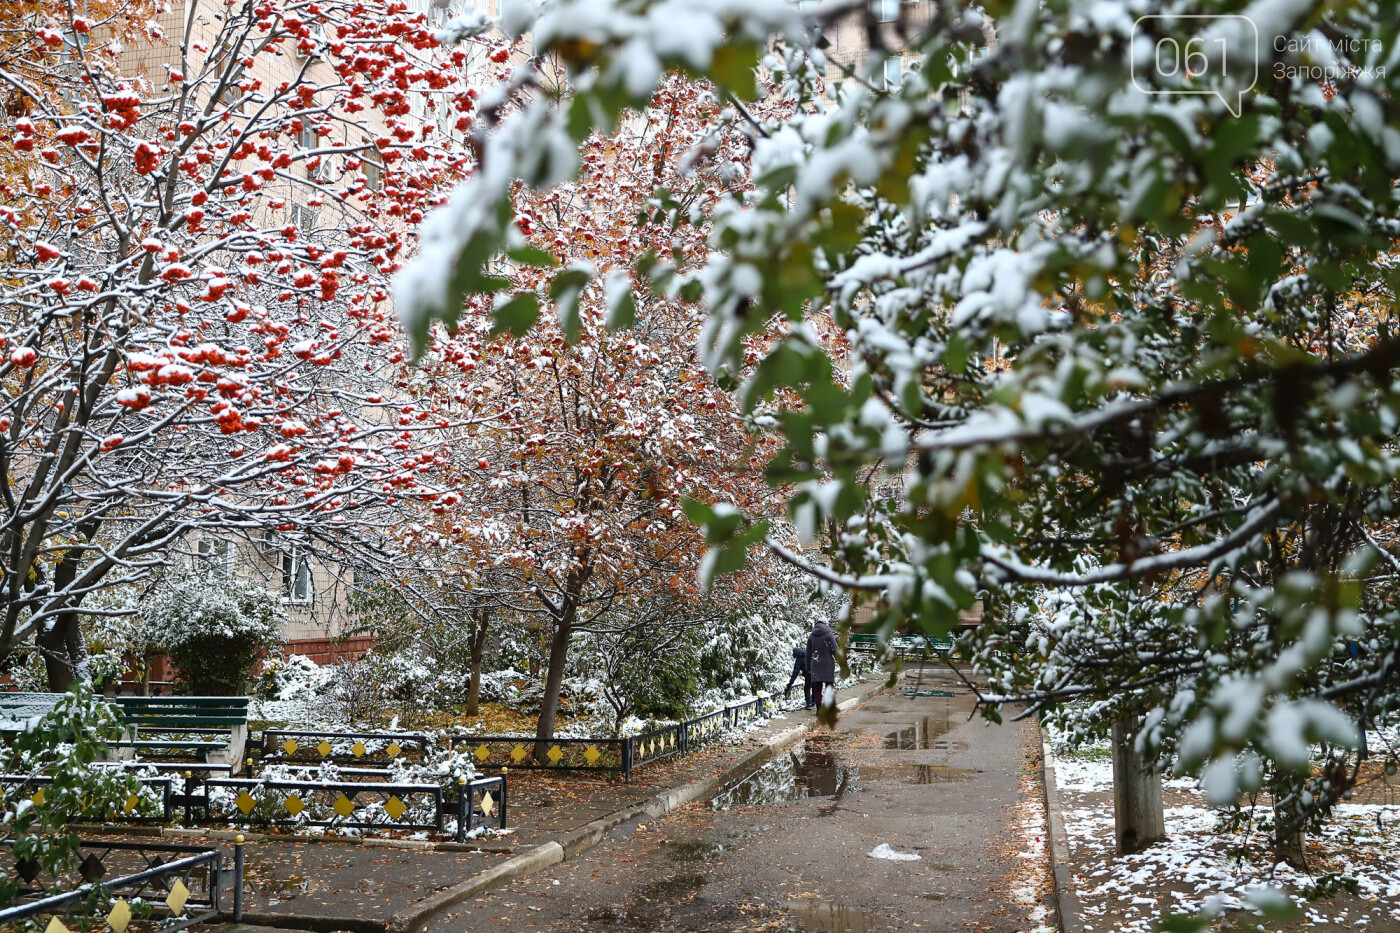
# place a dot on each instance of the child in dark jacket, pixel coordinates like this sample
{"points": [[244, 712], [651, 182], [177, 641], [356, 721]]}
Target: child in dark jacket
{"points": [[799, 669]]}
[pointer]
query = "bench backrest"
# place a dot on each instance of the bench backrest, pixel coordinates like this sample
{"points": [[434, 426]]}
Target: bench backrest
{"points": [[191, 712], [16, 708]]}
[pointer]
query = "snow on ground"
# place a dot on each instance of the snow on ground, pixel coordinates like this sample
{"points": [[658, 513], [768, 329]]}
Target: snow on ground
{"points": [[1132, 893], [1033, 880]]}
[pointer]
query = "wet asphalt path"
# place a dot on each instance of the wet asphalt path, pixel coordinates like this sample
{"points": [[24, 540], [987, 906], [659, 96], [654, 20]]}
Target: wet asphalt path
{"points": [[788, 849]]}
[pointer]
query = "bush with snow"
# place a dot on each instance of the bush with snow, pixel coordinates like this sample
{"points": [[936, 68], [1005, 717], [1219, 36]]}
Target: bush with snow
{"points": [[214, 629]]}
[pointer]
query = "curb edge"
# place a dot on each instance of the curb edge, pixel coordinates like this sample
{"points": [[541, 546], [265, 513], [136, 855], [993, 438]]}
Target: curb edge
{"points": [[1066, 901]]}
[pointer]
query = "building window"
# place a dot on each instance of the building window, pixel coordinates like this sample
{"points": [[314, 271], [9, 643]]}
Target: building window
{"points": [[894, 73], [886, 11], [317, 40], [296, 577], [235, 98], [218, 555], [372, 167], [304, 218]]}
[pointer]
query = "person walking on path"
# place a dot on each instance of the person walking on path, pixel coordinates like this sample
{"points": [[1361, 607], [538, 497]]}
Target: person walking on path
{"points": [[821, 660], [799, 669]]}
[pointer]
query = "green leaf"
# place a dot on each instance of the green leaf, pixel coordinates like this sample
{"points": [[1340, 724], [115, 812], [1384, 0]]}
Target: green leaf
{"points": [[955, 354], [517, 315], [733, 69], [531, 256], [622, 306], [565, 290]]}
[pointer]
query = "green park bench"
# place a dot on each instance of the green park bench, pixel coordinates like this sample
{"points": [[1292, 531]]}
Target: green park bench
{"points": [[164, 726], [18, 708], [864, 641]]}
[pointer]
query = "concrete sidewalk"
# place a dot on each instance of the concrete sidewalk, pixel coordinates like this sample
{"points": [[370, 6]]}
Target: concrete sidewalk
{"points": [[908, 816], [324, 886]]}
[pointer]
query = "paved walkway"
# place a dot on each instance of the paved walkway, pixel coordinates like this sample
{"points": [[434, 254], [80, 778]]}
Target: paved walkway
{"points": [[366, 886], [788, 849]]}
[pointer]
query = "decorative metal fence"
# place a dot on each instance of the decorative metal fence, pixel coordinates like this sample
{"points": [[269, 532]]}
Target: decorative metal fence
{"points": [[292, 745], [179, 768], [653, 746], [355, 804], [481, 803], [618, 755], [700, 731], [560, 754], [152, 803], [171, 886]]}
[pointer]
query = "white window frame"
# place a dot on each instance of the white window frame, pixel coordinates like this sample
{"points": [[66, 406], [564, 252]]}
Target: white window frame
{"points": [[885, 11], [220, 555], [298, 580], [304, 217], [893, 83]]}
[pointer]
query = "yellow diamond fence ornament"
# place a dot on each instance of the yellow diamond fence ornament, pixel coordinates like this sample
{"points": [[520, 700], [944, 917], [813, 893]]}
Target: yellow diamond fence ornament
{"points": [[482, 753], [290, 747], [245, 802], [592, 754], [488, 804], [343, 806], [38, 799], [55, 926], [358, 749], [651, 746], [119, 916], [393, 751], [131, 803], [395, 808], [324, 748], [179, 894], [518, 753], [555, 754], [294, 805]]}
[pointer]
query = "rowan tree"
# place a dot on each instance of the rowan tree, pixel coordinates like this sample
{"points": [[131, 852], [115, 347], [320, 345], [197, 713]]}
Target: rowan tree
{"points": [[195, 329]]}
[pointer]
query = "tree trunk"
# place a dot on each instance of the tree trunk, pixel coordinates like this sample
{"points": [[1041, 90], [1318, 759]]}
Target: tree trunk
{"points": [[554, 682], [63, 651], [1289, 838], [1137, 793], [477, 651]]}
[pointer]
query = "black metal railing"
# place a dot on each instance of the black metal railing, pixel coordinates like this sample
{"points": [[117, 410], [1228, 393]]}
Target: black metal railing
{"points": [[482, 803], [152, 803], [306, 745], [180, 885], [558, 754], [653, 745], [357, 804]]}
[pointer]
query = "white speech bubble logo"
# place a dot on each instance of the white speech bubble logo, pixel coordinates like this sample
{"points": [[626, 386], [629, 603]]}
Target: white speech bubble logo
{"points": [[1206, 55]]}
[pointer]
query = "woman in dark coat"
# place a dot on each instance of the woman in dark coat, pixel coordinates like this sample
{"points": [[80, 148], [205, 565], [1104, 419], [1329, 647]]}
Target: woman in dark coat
{"points": [[821, 660]]}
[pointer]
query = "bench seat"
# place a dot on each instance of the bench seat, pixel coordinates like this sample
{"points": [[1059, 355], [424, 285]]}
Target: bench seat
{"points": [[225, 717]]}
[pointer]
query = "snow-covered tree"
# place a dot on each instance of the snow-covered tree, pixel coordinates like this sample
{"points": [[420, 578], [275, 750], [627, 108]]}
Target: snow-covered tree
{"points": [[198, 223], [593, 427], [1098, 335]]}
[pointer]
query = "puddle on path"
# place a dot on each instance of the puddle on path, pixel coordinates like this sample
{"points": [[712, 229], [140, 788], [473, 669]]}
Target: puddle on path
{"points": [[826, 917], [915, 774], [692, 850], [918, 735], [803, 772], [669, 888]]}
